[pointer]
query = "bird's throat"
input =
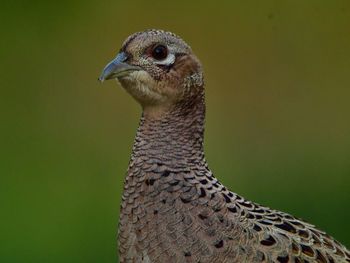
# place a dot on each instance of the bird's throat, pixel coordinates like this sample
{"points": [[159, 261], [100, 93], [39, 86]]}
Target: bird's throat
{"points": [[173, 136]]}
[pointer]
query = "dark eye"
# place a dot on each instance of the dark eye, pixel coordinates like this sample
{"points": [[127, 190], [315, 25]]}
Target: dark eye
{"points": [[159, 52]]}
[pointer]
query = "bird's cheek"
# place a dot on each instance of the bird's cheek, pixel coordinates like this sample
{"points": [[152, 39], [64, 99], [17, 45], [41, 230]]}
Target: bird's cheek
{"points": [[135, 80], [142, 87]]}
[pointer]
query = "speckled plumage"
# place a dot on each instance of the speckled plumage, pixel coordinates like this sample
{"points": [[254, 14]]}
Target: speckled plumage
{"points": [[173, 208]]}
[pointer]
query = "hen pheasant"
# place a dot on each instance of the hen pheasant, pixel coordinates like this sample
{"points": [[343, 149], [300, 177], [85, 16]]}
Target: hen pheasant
{"points": [[173, 208]]}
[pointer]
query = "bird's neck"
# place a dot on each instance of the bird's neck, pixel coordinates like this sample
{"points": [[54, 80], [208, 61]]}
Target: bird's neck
{"points": [[174, 138]]}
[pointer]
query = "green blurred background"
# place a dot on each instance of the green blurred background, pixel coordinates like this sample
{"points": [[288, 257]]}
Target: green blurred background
{"points": [[277, 130]]}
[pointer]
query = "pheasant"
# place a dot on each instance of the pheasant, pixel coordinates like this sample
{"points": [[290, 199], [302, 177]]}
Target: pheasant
{"points": [[173, 208]]}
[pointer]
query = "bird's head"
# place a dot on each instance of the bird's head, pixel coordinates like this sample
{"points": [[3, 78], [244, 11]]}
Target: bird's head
{"points": [[157, 68]]}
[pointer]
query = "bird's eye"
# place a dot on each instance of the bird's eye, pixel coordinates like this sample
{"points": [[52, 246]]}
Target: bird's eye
{"points": [[159, 52]]}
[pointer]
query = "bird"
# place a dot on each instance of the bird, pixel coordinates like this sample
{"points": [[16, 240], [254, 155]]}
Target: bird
{"points": [[173, 208]]}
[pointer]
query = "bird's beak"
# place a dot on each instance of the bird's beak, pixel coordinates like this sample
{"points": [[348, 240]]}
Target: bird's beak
{"points": [[117, 68]]}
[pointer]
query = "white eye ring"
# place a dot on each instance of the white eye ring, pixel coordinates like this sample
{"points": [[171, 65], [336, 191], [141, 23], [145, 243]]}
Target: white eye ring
{"points": [[169, 60]]}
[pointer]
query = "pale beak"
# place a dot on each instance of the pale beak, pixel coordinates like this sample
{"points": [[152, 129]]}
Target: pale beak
{"points": [[118, 67]]}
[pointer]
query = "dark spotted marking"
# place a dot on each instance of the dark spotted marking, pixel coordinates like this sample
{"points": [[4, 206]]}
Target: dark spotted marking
{"points": [[232, 209], [242, 249], [283, 259], [260, 256], [250, 216], [246, 204], [277, 220], [307, 250], [211, 232], [210, 177], [295, 248], [166, 173], [328, 243], [257, 228], [268, 241], [320, 258], [201, 216], [284, 235], [296, 223], [150, 181], [271, 218], [155, 212], [216, 208], [187, 254], [316, 240], [202, 192], [230, 194], [265, 222], [219, 244], [204, 181], [227, 199], [288, 217], [330, 259], [287, 227], [221, 218], [337, 242], [259, 211], [317, 233], [303, 233], [185, 200], [339, 252], [173, 183]]}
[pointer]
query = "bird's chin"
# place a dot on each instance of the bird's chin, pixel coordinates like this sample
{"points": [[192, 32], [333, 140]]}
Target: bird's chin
{"points": [[141, 86]]}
